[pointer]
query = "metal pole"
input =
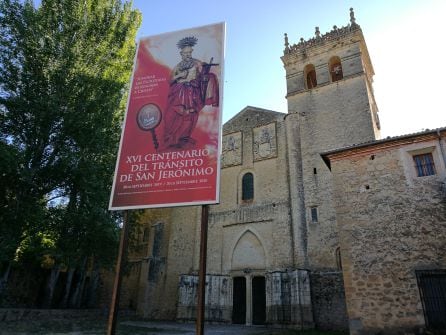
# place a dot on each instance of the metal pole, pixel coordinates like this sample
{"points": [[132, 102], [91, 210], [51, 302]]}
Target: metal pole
{"points": [[114, 305], [202, 270]]}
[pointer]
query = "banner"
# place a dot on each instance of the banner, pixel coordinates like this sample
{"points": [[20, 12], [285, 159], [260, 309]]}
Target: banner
{"points": [[170, 143]]}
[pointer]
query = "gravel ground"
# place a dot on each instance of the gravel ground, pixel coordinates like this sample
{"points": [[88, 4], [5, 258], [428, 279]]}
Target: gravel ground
{"points": [[96, 324], [125, 327]]}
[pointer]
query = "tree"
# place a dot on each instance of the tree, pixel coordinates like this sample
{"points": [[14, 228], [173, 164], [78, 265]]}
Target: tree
{"points": [[64, 70]]}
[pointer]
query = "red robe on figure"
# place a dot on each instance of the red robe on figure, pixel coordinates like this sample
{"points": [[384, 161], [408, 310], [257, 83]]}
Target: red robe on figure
{"points": [[191, 88]]}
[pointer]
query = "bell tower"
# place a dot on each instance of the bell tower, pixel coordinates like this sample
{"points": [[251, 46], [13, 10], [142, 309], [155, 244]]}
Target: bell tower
{"points": [[330, 105]]}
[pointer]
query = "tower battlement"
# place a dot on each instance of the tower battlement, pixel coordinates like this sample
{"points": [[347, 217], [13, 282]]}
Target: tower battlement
{"points": [[319, 39]]}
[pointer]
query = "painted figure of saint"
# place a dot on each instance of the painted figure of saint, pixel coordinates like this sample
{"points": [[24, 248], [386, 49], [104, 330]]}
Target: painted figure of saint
{"points": [[192, 86]]}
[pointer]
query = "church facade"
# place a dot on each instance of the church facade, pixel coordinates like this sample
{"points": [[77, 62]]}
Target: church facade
{"points": [[279, 251]]}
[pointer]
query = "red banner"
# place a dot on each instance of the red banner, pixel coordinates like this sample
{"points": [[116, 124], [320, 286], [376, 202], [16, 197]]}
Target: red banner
{"points": [[170, 143]]}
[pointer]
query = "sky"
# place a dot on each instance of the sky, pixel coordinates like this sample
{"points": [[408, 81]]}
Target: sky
{"points": [[405, 40]]}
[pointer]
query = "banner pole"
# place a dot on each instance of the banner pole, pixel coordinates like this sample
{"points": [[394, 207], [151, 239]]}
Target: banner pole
{"points": [[114, 305], [202, 270]]}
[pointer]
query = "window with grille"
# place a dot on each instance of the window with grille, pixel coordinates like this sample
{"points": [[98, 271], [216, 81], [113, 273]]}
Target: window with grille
{"points": [[432, 287], [248, 186], [424, 164]]}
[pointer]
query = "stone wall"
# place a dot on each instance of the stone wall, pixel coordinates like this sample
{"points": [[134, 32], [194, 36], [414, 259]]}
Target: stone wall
{"points": [[218, 301], [18, 314], [128, 298], [328, 119], [328, 299], [156, 259], [170, 252], [392, 223], [288, 299]]}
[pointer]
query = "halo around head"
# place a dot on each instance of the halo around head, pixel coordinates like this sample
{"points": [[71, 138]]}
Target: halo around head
{"points": [[189, 41]]}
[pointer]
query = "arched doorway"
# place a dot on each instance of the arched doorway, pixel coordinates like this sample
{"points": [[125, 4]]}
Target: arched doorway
{"points": [[248, 268]]}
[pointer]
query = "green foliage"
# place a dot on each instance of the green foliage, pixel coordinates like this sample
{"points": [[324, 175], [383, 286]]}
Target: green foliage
{"points": [[64, 67], [35, 248]]}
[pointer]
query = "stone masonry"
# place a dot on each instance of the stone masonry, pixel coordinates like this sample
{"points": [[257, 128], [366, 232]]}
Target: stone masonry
{"points": [[391, 223]]}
